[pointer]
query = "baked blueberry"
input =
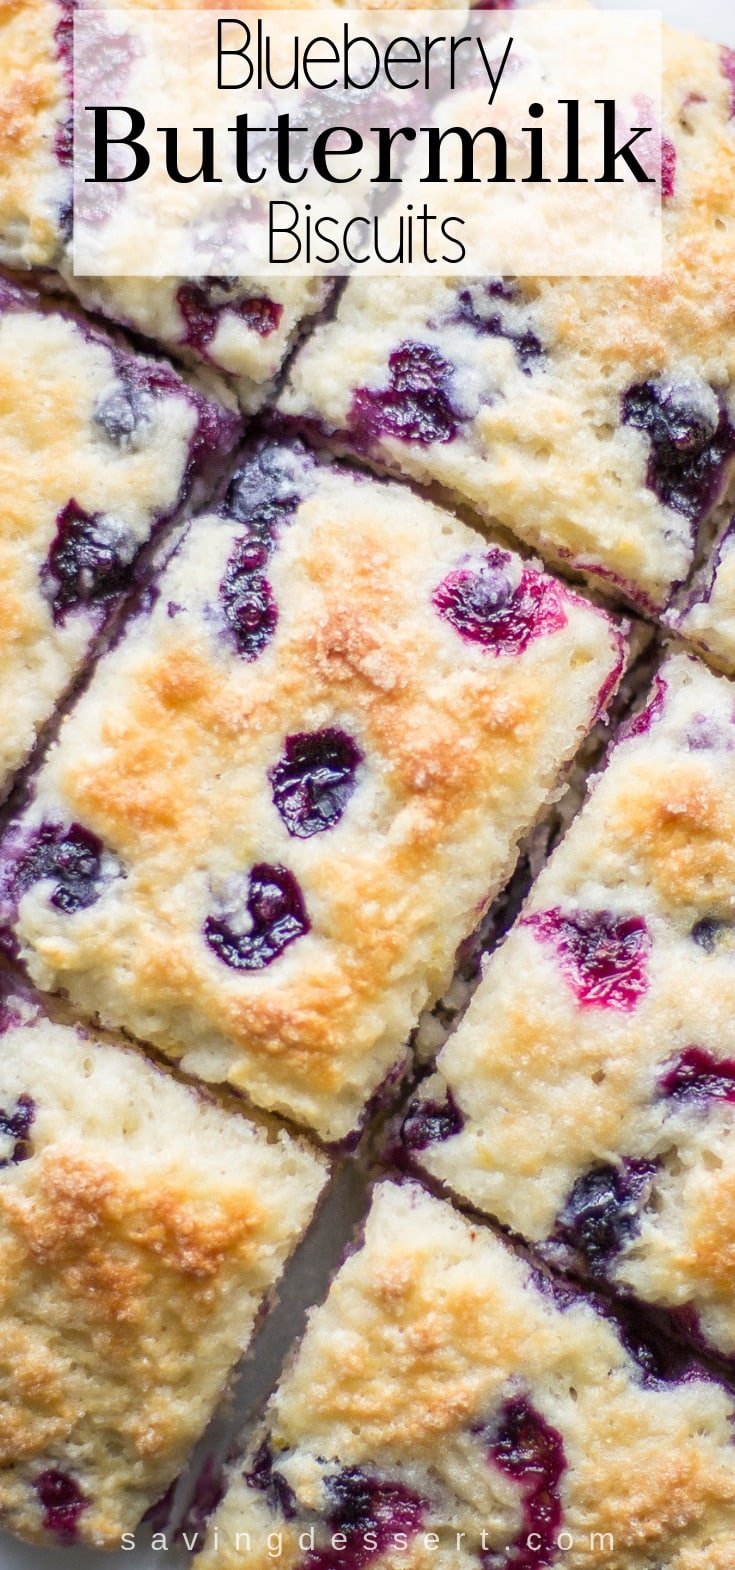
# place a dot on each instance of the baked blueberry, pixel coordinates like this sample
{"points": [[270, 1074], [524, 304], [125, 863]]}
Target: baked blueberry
{"points": [[202, 306], [250, 934], [525, 1448], [601, 1212], [416, 406], [15, 1131], [89, 560], [429, 1122], [698, 1076], [484, 605], [691, 438], [604, 957], [313, 780], [62, 1503], [69, 858]]}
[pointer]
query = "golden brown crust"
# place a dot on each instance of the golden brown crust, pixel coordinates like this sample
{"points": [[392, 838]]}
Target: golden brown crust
{"points": [[138, 1237], [403, 1377], [552, 1085], [167, 761], [549, 454]]}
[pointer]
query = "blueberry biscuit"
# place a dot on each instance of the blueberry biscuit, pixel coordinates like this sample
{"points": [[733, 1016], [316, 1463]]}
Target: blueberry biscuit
{"points": [[594, 417], [234, 324], [97, 447], [291, 791], [449, 1407], [588, 1098], [142, 1227]]}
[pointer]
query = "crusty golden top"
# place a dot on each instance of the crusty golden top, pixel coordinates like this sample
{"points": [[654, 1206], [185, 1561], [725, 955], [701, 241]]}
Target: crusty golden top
{"points": [[140, 1228], [65, 447], [168, 759], [435, 1347], [541, 443], [563, 1064]]}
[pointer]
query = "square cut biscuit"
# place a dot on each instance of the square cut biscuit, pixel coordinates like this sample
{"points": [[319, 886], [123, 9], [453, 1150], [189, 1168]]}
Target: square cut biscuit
{"points": [[292, 790], [142, 1228], [593, 417], [234, 324], [587, 1099], [449, 1406], [98, 447]]}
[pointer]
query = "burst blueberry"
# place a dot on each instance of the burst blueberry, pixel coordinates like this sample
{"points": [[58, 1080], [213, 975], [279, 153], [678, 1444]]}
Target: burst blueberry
{"points": [[247, 599], [602, 1211], [250, 933], [471, 311], [484, 606], [417, 404], [698, 1076], [360, 1505], [691, 442], [88, 562], [70, 858], [431, 1122], [526, 1449], [202, 306], [602, 957], [62, 1503], [314, 780], [263, 1476]]}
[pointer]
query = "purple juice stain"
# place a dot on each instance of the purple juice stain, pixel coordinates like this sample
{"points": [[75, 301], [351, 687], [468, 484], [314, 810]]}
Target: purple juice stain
{"points": [[697, 1076], [416, 406], [526, 1449], [431, 1122], [359, 1505], [16, 1125], [263, 1476], [62, 1503], [203, 305], [247, 598], [471, 312], [602, 1210], [727, 66], [70, 858], [480, 601], [641, 723], [689, 444], [274, 909], [314, 779], [88, 562], [659, 1340], [602, 957]]}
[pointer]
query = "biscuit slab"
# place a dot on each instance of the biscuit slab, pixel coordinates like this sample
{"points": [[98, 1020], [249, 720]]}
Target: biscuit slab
{"points": [[593, 417], [292, 790], [450, 1407], [142, 1228], [98, 448], [587, 1100]]}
